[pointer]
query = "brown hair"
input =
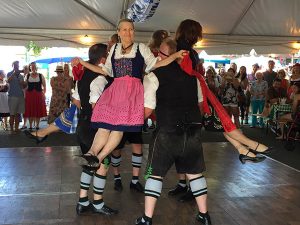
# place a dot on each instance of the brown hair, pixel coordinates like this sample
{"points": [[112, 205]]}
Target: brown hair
{"points": [[114, 38], [190, 31], [157, 38], [171, 44], [124, 21], [281, 71]]}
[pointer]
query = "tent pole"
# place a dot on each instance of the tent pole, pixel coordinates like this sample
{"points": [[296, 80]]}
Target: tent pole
{"points": [[124, 9]]}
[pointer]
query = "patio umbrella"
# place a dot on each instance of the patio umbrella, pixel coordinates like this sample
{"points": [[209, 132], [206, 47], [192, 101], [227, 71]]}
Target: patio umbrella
{"points": [[54, 60]]}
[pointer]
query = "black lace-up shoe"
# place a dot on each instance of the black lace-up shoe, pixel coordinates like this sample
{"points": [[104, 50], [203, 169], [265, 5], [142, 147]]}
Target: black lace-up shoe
{"points": [[141, 221], [118, 185], [105, 210], [87, 160], [178, 190], [137, 187], [203, 218], [80, 209]]}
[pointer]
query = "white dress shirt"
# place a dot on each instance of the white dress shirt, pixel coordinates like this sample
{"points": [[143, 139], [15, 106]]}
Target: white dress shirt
{"points": [[151, 85], [96, 89]]}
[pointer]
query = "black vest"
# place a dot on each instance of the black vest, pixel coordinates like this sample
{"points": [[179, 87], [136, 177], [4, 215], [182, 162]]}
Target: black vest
{"points": [[35, 85], [176, 96], [84, 92]]}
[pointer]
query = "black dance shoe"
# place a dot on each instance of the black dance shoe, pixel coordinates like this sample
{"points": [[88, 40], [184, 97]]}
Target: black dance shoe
{"points": [[188, 196], [137, 187], [87, 160], [35, 137], [80, 209], [118, 185], [141, 221], [105, 210], [268, 151], [203, 218], [178, 190], [256, 159]]}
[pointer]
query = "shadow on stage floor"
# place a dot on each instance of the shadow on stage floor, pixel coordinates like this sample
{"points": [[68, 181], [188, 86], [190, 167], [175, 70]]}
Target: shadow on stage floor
{"points": [[39, 185]]}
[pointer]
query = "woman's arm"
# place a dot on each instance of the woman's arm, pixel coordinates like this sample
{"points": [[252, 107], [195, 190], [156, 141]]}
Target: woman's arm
{"points": [[44, 84], [94, 68], [177, 55]]}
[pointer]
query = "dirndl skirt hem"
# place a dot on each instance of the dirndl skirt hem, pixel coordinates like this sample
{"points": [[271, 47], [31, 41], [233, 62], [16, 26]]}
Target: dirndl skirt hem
{"points": [[124, 128], [67, 121]]}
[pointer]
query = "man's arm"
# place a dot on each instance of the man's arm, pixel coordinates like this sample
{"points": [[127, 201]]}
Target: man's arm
{"points": [[75, 97], [96, 89], [150, 84], [148, 112], [200, 97]]}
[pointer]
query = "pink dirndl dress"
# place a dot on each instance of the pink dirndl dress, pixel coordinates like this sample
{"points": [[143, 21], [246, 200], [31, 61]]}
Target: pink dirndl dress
{"points": [[121, 105]]}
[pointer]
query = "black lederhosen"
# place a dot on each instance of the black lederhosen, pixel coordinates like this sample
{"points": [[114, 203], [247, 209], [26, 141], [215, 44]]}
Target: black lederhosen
{"points": [[132, 138], [176, 145], [85, 133]]}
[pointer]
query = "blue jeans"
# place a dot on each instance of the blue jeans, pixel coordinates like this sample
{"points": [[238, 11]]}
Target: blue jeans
{"points": [[257, 107]]}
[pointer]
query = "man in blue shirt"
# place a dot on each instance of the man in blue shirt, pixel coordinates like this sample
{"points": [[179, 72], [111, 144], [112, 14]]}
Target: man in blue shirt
{"points": [[16, 101]]}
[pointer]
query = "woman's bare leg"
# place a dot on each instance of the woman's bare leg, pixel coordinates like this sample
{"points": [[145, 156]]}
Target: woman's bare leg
{"points": [[30, 122], [236, 114], [37, 122], [240, 137], [46, 131], [100, 140], [238, 146], [113, 141]]}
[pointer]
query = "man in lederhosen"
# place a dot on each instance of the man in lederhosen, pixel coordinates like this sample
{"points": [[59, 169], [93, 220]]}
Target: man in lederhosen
{"points": [[175, 96]]}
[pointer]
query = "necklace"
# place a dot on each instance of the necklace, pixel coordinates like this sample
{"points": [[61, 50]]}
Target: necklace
{"points": [[124, 49]]}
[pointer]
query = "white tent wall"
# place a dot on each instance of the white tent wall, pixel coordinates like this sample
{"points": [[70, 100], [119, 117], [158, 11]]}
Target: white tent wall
{"points": [[229, 26]]}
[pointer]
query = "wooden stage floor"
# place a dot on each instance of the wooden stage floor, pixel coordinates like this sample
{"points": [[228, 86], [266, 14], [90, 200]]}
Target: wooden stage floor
{"points": [[40, 186]]}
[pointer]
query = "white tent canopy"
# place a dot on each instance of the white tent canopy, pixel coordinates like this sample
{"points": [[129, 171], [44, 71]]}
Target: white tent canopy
{"points": [[230, 26]]}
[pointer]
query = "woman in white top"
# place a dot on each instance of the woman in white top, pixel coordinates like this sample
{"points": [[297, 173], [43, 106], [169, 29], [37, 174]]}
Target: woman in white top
{"points": [[4, 109]]}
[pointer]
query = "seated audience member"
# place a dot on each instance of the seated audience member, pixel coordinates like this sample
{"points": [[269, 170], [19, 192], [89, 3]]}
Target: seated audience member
{"points": [[276, 92], [295, 98], [284, 82]]}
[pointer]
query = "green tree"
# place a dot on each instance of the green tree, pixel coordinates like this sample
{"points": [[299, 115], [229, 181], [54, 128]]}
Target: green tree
{"points": [[36, 50]]}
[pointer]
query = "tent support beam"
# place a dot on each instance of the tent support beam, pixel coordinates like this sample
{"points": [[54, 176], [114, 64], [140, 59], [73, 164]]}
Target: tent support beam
{"points": [[241, 17], [94, 12], [124, 9]]}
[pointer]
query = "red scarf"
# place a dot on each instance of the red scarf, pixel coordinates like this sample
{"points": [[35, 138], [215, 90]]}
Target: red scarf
{"points": [[226, 121], [77, 72]]}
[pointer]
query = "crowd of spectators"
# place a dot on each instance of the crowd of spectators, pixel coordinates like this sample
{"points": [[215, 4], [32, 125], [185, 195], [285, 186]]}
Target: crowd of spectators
{"points": [[244, 95], [22, 96]]}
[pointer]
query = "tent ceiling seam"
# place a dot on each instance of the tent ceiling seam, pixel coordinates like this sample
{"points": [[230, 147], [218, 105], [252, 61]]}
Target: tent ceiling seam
{"points": [[241, 17]]}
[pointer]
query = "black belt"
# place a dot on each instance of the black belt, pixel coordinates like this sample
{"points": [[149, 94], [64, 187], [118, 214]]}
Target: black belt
{"points": [[180, 128]]}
